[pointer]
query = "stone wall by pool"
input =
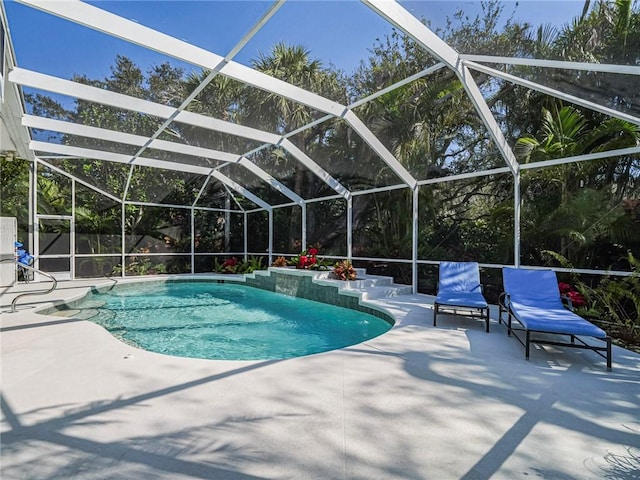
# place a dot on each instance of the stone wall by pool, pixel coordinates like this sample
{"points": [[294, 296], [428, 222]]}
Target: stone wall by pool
{"points": [[299, 283]]}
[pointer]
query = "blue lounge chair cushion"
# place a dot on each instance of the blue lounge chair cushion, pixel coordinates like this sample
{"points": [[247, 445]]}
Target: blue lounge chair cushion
{"points": [[462, 299], [554, 320], [534, 298], [459, 285], [459, 277]]}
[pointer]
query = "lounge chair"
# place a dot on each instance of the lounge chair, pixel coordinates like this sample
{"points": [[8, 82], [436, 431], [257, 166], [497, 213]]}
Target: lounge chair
{"points": [[459, 288], [533, 298], [23, 258]]}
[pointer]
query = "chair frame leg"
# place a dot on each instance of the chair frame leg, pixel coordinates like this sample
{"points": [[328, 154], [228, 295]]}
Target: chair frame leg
{"points": [[480, 314], [574, 341]]}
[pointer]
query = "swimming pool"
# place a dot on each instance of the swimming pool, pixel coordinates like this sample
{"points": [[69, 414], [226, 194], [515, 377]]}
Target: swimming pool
{"points": [[224, 321]]}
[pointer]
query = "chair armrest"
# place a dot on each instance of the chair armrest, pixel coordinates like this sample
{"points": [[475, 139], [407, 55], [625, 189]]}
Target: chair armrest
{"points": [[567, 300], [503, 300]]}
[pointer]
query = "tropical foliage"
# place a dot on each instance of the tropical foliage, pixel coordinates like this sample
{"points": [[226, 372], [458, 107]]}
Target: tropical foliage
{"points": [[611, 302]]}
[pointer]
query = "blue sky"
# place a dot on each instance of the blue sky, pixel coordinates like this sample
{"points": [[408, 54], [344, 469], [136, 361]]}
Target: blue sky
{"points": [[337, 32]]}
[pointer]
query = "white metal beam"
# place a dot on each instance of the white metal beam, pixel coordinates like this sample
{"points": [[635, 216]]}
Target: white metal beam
{"points": [[401, 83], [487, 117], [28, 78], [210, 123], [463, 176], [201, 191], [582, 158], [559, 64], [395, 14]]}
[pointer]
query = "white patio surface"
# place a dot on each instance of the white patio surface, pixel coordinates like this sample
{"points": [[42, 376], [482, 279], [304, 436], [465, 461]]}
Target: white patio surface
{"points": [[419, 402]]}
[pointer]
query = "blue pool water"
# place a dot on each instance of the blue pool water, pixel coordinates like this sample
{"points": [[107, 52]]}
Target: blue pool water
{"points": [[224, 321]]}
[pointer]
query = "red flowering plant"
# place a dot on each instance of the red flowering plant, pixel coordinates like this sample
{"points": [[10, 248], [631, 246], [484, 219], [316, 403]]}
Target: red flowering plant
{"points": [[576, 298], [228, 266], [308, 260]]}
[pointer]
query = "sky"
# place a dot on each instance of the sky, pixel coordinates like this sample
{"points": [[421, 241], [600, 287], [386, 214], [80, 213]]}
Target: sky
{"points": [[338, 32]]}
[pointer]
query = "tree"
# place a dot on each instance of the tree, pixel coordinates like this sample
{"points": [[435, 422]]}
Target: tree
{"points": [[14, 192]]}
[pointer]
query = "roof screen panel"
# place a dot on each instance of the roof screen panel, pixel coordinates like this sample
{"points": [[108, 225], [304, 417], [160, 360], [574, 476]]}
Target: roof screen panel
{"points": [[84, 142], [548, 128], [291, 172], [477, 27], [339, 150], [179, 158], [392, 60], [612, 90], [49, 105], [212, 139], [254, 184], [319, 38], [220, 98], [156, 185], [74, 110], [232, 101], [432, 128], [107, 176], [68, 43], [206, 19], [216, 195]]}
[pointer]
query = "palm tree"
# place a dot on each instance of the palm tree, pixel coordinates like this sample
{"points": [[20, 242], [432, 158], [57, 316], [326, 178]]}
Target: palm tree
{"points": [[275, 113], [582, 216]]}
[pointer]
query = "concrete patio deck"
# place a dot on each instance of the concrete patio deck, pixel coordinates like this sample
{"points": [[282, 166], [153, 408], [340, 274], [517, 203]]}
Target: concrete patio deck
{"points": [[419, 402]]}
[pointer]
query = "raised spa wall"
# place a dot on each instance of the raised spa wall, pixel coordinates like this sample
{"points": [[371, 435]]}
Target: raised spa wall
{"points": [[300, 283]]}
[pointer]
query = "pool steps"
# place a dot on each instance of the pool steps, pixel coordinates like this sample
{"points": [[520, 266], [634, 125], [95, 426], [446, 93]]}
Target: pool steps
{"points": [[365, 287]]}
